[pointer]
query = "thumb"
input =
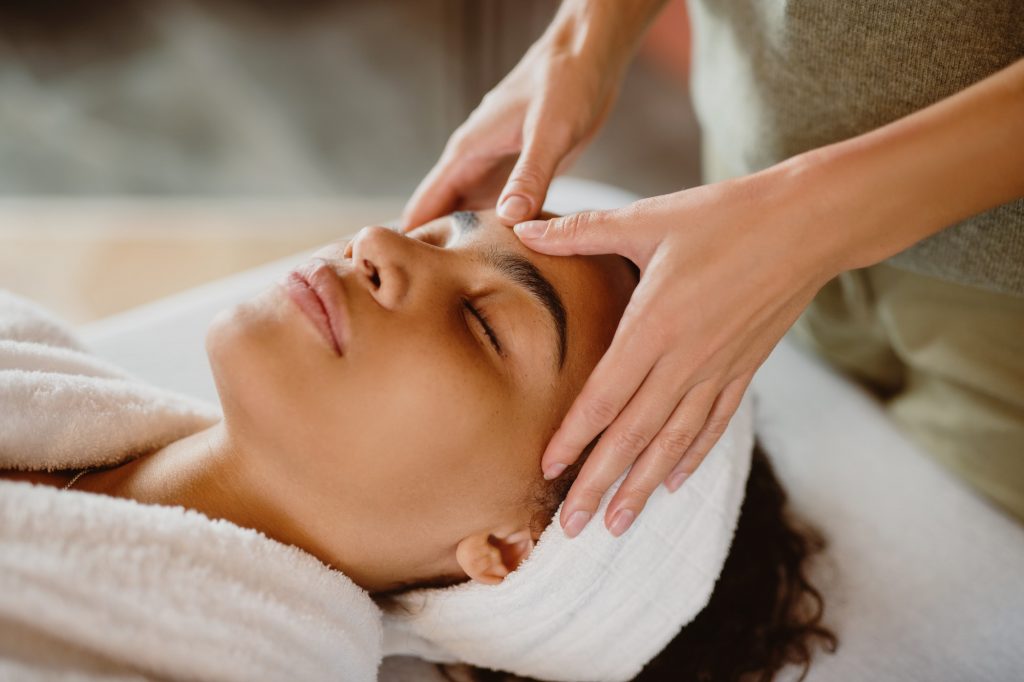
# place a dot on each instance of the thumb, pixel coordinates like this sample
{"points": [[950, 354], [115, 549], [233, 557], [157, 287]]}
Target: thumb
{"points": [[587, 233], [527, 185]]}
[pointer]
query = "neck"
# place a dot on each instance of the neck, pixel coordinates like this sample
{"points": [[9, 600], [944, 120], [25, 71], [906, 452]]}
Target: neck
{"points": [[201, 472], [208, 472]]}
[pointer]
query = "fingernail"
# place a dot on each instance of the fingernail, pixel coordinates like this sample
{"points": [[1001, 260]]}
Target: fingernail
{"points": [[677, 480], [622, 520], [577, 520], [514, 207], [553, 471], [533, 228]]}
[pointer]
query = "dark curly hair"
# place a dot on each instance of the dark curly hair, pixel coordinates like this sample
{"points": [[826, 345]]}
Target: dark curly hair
{"points": [[764, 613]]}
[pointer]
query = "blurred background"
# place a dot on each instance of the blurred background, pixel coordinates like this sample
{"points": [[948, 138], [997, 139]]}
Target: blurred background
{"points": [[150, 145]]}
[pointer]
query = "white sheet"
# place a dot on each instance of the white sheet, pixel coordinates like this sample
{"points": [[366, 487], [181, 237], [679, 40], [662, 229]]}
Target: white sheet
{"points": [[922, 579]]}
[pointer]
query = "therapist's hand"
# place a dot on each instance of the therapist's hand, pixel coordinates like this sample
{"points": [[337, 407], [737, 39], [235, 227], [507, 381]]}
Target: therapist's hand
{"points": [[725, 270], [534, 122]]}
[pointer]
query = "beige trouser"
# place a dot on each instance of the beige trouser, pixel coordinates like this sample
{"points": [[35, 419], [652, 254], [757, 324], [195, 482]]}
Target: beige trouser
{"points": [[947, 359]]}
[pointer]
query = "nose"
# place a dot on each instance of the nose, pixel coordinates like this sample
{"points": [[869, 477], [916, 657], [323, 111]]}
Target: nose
{"points": [[382, 258]]}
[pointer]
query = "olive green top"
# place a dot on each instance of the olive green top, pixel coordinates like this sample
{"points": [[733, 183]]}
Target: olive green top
{"points": [[774, 78]]}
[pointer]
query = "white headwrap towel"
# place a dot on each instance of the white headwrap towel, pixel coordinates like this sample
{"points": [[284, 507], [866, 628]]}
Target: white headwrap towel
{"points": [[595, 607]]}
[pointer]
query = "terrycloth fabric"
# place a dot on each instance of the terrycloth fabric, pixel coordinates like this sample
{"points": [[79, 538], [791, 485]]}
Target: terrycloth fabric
{"points": [[62, 408], [102, 588], [594, 607], [90, 582]]}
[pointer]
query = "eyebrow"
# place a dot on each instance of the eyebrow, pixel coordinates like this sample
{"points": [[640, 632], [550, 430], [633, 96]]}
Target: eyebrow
{"points": [[466, 221], [521, 272]]}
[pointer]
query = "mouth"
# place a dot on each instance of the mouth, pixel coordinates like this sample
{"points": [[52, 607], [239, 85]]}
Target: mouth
{"points": [[317, 291]]}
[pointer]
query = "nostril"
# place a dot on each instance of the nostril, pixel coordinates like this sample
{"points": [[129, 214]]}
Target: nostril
{"points": [[374, 275]]}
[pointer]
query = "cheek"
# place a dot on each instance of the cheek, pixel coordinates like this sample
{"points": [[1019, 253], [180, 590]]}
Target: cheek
{"points": [[258, 354], [416, 411], [400, 421]]}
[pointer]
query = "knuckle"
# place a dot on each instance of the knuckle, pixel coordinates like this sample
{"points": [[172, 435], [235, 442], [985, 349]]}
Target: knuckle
{"points": [[635, 494], [697, 457], [628, 443], [672, 444], [528, 175], [599, 412], [687, 466], [590, 492], [575, 224], [716, 424], [660, 331], [460, 143], [490, 98]]}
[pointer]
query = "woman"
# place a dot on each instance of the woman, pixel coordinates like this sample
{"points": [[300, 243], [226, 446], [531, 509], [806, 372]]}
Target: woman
{"points": [[384, 408], [836, 136]]}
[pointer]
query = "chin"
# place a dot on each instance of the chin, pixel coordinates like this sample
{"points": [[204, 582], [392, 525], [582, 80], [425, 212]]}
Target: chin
{"points": [[250, 354]]}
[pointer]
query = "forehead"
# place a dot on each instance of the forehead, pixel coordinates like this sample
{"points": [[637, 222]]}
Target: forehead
{"points": [[594, 289], [481, 230]]}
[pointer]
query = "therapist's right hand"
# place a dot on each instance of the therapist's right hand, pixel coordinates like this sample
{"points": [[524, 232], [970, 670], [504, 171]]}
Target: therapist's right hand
{"points": [[530, 126]]}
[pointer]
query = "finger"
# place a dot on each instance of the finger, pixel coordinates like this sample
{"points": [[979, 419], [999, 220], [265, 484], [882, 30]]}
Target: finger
{"points": [[613, 382], [718, 420], [435, 196], [544, 147], [660, 457], [584, 233], [620, 445]]}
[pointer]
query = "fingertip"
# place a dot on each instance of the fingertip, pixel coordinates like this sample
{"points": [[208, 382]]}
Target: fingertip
{"points": [[515, 208], [577, 521], [530, 229], [676, 480], [553, 470], [621, 521]]}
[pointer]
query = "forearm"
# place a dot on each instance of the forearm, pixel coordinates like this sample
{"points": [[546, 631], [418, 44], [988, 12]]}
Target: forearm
{"points": [[883, 191], [610, 30]]}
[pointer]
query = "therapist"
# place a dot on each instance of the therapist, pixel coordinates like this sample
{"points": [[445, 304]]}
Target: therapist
{"points": [[868, 157]]}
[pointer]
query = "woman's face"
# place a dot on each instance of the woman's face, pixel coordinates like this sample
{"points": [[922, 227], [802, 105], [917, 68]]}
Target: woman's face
{"points": [[403, 407]]}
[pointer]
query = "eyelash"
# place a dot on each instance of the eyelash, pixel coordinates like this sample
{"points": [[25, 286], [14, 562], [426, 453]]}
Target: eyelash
{"points": [[482, 319]]}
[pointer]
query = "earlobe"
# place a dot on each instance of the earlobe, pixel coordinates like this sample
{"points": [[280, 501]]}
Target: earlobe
{"points": [[489, 557]]}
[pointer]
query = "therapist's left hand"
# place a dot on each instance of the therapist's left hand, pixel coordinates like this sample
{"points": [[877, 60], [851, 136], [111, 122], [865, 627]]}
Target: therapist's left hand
{"points": [[725, 270]]}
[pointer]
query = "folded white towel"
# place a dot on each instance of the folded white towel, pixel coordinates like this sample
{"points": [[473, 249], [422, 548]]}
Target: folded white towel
{"points": [[107, 587], [594, 607]]}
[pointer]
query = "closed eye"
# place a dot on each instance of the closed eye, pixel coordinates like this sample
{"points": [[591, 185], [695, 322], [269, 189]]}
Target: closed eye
{"points": [[482, 319], [438, 235]]}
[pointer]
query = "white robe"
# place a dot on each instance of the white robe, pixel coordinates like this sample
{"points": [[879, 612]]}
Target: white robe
{"points": [[106, 588]]}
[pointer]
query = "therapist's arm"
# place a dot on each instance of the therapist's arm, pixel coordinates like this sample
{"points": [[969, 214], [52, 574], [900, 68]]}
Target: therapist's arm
{"points": [[539, 117], [727, 268]]}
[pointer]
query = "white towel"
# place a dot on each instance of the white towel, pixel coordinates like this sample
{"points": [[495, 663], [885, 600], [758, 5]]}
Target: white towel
{"points": [[62, 408], [107, 587], [103, 584], [595, 607]]}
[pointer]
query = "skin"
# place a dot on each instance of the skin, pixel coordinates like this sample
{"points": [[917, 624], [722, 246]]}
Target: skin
{"points": [[726, 268], [415, 454]]}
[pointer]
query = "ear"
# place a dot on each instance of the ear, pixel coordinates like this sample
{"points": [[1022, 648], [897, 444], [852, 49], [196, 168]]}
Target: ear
{"points": [[489, 556]]}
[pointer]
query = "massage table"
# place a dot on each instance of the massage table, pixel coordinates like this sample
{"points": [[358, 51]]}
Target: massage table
{"points": [[922, 578]]}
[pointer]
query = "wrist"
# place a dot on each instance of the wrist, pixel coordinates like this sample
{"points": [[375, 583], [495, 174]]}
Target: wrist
{"points": [[806, 216], [608, 31]]}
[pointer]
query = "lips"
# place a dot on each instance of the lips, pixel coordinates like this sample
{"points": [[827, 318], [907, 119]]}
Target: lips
{"points": [[318, 292]]}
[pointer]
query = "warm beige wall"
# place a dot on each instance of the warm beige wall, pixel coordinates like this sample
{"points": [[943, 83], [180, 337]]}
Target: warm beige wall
{"points": [[85, 259]]}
